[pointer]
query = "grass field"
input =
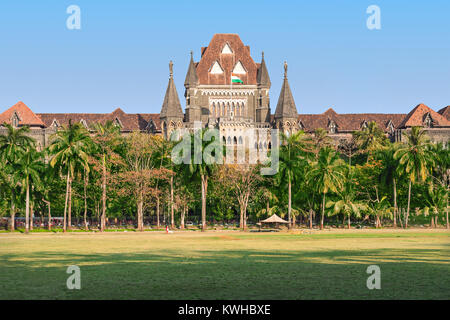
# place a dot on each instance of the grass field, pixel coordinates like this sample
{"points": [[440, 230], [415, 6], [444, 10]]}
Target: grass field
{"points": [[415, 264]]}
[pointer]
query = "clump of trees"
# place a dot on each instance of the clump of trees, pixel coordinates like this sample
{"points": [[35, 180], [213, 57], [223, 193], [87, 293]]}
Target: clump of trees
{"points": [[99, 175]]}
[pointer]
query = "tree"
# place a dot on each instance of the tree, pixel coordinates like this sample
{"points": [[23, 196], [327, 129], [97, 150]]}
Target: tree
{"points": [[435, 200], [13, 145], [326, 174], [107, 138], [370, 138], [389, 173], [69, 150], [348, 204], [242, 180], [291, 157], [199, 167], [30, 167], [415, 160]]}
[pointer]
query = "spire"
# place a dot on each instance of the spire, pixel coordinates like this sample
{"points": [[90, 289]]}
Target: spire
{"points": [[191, 76], [286, 105], [171, 106], [263, 75]]}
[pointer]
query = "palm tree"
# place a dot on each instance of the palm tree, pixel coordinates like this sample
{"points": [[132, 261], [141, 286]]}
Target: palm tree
{"points": [[370, 138], [390, 173], [30, 167], [326, 174], [69, 150], [291, 157], [198, 167], [441, 171], [13, 144], [435, 201], [415, 160], [106, 139], [348, 204]]}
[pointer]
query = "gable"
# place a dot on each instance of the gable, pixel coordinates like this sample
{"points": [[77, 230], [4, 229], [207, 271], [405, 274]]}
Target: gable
{"points": [[239, 68], [226, 49], [216, 68]]}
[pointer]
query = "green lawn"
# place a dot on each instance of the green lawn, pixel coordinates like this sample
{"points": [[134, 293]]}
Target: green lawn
{"points": [[227, 265]]}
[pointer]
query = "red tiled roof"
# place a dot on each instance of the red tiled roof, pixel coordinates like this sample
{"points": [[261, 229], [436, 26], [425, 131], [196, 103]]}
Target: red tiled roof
{"points": [[227, 61], [349, 121], [417, 116], [26, 117], [445, 112], [128, 121]]}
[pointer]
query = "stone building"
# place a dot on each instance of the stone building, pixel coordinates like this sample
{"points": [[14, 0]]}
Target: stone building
{"points": [[226, 89]]}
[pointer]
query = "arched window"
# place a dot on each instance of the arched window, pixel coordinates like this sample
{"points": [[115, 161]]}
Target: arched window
{"points": [[240, 140], [229, 140]]}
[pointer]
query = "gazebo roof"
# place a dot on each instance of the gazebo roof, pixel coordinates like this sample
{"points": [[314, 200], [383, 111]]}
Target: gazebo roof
{"points": [[274, 219]]}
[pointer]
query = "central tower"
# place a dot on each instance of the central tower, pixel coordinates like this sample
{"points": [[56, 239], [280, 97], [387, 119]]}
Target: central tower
{"points": [[226, 89]]}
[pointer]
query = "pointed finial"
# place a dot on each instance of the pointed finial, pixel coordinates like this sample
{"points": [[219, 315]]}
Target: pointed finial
{"points": [[171, 68], [192, 54], [285, 69], [262, 54]]}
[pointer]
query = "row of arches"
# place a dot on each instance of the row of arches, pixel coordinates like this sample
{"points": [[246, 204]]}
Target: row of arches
{"points": [[222, 109], [239, 141]]}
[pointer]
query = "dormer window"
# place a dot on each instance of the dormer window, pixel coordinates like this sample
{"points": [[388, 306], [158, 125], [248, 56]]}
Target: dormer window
{"points": [[332, 126], [227, 49], [239, 68], [390, 127], [118, 123], [55, 124], [428, 121], [15, 119], [84, 123], [364, 125], [216, 68]]}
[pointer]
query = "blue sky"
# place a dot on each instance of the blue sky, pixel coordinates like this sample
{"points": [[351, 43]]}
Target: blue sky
{"points": [[120, 56]]}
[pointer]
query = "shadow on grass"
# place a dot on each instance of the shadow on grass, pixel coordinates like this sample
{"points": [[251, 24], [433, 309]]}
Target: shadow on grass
{"points": [[229, 274]]}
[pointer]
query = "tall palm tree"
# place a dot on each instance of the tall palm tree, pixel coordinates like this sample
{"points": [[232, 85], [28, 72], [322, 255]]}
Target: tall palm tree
{"points": [[107, 138], [69, 150], [291, 157], [441, 171], [13, 145], [30, 167], [326, 174], [415, 159], [389, 174], [200, 168], [370, 138]]}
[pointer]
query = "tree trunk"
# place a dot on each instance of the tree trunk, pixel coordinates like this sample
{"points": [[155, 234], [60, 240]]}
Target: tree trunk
{"points": [[310, 218], [446, 214], [13, 214], [49, 225], [27, 208], [172, 217], [31, 215], [183, 213], [289, 204], [70, 206], [204, 191], [140, 215], [323, 213], [157, 210], [241, 218], [409, 202], [395, 203], [67, 199], [103, 218], [86, 177], [348, 221]]}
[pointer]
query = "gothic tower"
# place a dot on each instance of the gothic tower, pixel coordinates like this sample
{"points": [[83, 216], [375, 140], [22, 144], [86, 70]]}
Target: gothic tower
{"points": [[286, 114], [171, 113]]}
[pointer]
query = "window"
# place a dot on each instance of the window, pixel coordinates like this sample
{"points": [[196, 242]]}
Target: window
{"points": [[216, 68], [239, 68], [227, 49]]}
